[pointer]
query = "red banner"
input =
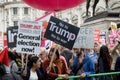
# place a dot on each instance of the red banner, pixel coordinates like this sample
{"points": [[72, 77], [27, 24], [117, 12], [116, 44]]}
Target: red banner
{"points": [[97, 36]]}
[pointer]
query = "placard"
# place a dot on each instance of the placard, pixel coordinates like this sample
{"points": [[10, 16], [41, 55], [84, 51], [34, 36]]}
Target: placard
{"points": [[61, 32], [29, 37], [12, 36], [85, 38]]}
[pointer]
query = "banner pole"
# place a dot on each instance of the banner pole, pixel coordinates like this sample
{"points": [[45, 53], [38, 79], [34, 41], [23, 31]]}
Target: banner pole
{"points": [[50, 65], [22, 58], [26, 62]]}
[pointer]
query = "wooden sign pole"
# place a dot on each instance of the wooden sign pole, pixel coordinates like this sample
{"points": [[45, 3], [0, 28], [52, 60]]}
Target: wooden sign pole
{"points": [[50, 65], [26, 62]]}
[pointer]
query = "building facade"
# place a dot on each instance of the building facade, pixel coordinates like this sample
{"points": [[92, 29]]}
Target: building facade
{"points": [[12, 11]]}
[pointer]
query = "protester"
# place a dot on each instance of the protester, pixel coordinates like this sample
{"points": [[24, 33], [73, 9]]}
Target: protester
{"points": [[85, 67], [117, 66], [43, 55], [96, 48], [58, 68], [61, 49], [76, 63], [68, 58], [68, 55], [13, 65], [33, 72], [92, 55], [2, 70], [104, 62], [8, 65]]}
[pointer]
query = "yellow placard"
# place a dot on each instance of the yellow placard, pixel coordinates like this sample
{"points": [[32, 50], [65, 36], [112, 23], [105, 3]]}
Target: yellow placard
{"points": [[113, 26]]}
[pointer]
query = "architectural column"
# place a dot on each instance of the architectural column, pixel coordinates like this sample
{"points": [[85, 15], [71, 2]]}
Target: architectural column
{"points": [[10, 14], [21, 13]]}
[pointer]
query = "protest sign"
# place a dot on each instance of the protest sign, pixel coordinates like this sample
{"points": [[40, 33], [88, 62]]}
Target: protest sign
{"points": [[102, 37], [85, 38], [97, 36], [12, 36], [29, 37], [61, 32]]}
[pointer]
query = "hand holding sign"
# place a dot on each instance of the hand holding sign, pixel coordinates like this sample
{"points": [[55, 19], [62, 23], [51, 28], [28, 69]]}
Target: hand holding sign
{"points": [[62, 33]]}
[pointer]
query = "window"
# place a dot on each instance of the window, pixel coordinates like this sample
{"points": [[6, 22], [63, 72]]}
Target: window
{"points": [[25, 10], [15, 10], [15, 23]]}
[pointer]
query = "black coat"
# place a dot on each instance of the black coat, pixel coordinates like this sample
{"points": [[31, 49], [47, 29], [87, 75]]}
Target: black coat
{"points": [[39, 74], [117, 66]]}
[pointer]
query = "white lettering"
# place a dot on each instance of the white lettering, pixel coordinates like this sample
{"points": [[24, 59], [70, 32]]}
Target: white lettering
{"points": [[62, 32], [11, 36]]}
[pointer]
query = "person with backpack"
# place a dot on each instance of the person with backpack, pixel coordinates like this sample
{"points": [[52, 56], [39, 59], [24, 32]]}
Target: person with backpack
{"points": [[13, 66]]}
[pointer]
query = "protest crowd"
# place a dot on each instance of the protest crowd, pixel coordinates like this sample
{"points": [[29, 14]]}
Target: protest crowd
{"points": [[82, 62], [74, 53]]}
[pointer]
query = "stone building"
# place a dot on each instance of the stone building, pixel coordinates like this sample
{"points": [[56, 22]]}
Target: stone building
{"points": [[12, 11]]}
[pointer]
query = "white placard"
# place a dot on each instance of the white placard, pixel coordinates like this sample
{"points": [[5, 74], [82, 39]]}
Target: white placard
{"points": [[29, 37], [85, 38]]}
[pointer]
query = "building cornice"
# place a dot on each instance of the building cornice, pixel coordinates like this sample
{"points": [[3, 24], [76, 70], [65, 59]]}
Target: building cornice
{"points": [[12, 2], [1, 5], [99, 21]]}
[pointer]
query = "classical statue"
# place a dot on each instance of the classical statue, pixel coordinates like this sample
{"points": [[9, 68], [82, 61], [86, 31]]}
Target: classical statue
{"points": [[94, 6]]}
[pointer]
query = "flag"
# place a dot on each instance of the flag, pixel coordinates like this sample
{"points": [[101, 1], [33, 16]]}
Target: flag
{"points": [[4, 57]]}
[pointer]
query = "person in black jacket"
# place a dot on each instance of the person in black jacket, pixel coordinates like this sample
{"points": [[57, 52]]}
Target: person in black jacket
{"points": [[104, 62], [117, 66]]}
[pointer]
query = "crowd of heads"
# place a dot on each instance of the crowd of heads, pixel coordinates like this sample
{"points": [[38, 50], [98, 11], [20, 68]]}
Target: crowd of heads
{"points": [[63, 56]]}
